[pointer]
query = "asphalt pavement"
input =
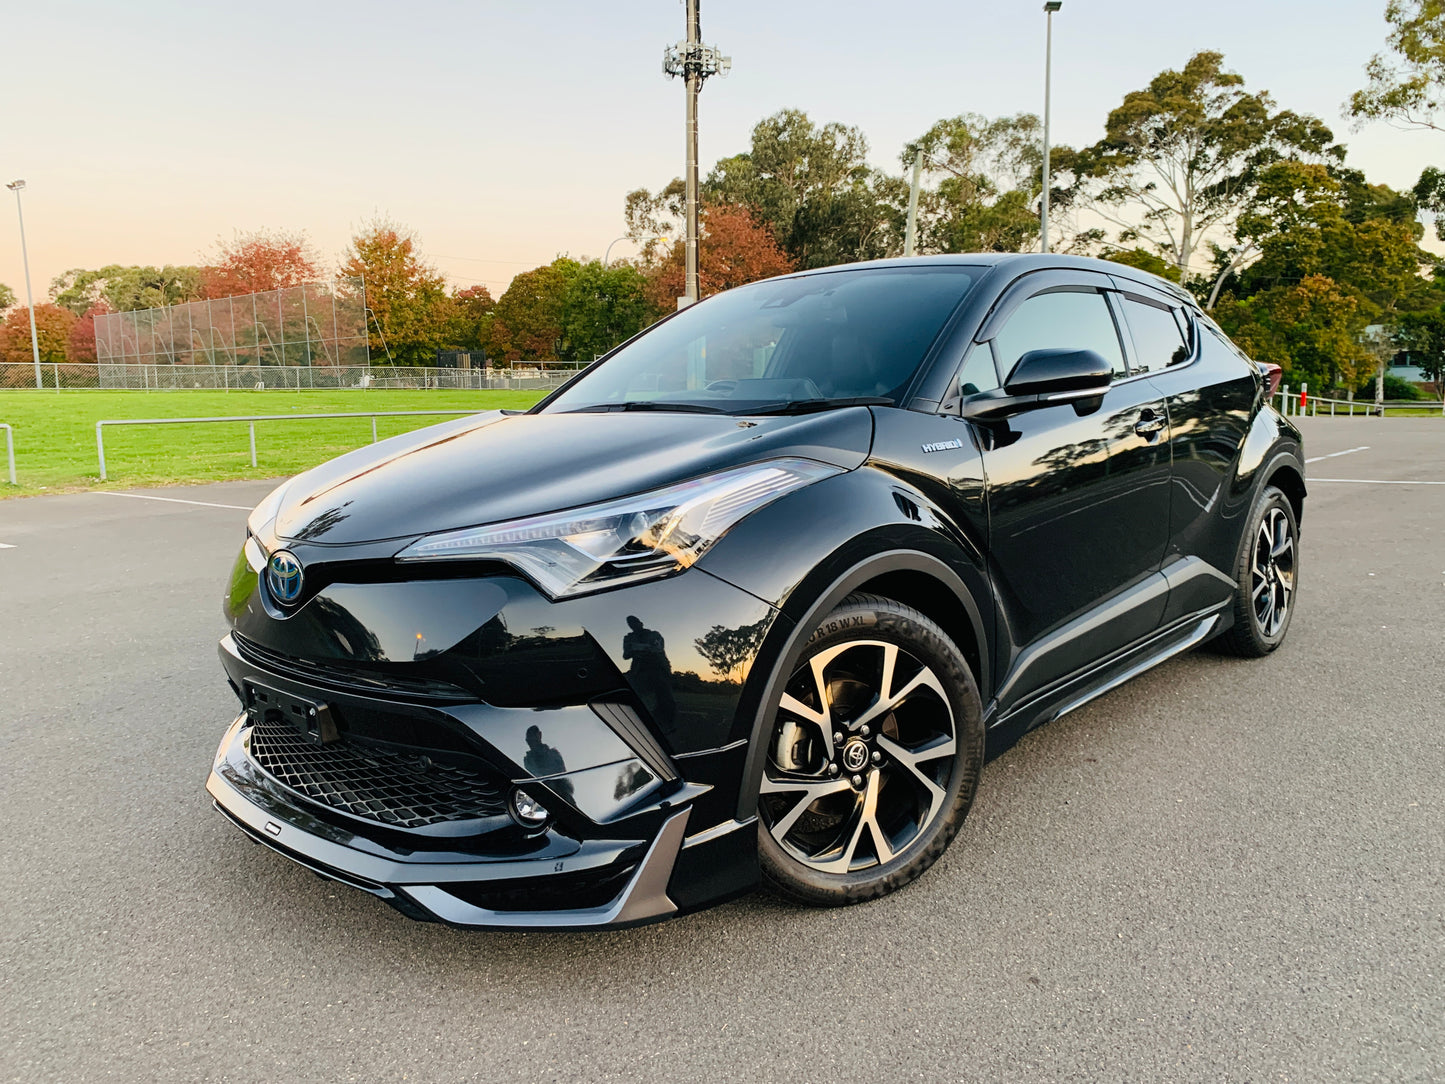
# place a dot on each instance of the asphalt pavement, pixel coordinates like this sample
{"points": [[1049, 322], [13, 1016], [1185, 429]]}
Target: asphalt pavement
{"points": [[1225, 870]]}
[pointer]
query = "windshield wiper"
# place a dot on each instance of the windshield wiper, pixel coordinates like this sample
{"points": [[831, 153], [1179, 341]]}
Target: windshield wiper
{"points": [[812, 406], [648, 404]]}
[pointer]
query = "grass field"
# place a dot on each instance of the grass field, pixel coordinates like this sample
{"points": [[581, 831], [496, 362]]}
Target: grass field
{"points": [[55, 433]]}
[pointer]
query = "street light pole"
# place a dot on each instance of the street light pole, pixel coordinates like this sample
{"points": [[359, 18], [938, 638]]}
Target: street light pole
{"points": [[1049, 8], [17, 186], [607, 256], [694, 61]]}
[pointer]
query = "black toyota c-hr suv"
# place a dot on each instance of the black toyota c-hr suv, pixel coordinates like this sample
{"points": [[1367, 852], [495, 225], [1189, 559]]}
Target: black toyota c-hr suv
{"points": [[746, 600]]}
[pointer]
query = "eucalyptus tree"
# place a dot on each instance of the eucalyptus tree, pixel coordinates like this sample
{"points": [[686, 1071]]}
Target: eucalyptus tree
{"points": [[1182, 157]]}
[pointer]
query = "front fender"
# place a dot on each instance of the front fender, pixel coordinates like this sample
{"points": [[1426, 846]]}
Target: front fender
{"points": [[867, 524]]}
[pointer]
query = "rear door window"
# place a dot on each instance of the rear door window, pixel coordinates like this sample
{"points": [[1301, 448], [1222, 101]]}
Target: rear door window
{"points": [[1158, 342]]}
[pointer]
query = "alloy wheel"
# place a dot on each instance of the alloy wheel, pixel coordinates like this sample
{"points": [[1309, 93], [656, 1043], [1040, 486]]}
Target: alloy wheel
{"points": [[861, 755], [1271, 576]]}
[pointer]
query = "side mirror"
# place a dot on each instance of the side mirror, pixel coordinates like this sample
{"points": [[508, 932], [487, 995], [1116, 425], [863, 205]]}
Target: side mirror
{"points": [[1044, 378]]}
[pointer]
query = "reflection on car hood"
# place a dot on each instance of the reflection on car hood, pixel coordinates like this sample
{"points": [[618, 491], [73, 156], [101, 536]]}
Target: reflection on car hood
{"points": [[495, 467]]}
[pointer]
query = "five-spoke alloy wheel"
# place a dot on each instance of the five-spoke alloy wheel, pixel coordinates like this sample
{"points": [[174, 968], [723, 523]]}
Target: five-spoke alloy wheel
{"points": [[873, 758]]}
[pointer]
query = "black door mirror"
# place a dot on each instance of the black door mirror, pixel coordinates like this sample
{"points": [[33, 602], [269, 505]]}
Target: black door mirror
{"points": [[1042, 378], [1048, 372]]}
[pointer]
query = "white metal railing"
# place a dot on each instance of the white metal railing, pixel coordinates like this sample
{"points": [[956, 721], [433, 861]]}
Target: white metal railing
{"points": [[251, 420], [10, 451], [1289, 405]]}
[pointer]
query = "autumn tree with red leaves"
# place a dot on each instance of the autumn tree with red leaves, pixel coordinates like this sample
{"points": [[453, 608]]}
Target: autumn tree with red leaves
{"points": [[733, 249], [81, 346], [264, 260], [52, 332], [407, 296]]}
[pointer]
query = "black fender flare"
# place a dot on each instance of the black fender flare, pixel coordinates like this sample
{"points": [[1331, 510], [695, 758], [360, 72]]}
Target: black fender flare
{"points": [[769, 692]]}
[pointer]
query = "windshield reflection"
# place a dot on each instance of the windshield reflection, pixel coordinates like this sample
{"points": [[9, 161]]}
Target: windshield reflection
{"points": [[827, 339]]}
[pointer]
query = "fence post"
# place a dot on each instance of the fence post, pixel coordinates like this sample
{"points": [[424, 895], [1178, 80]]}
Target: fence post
{"points": [[252, 427], [10, 452], [1284, 392], [373, 429], [100, 448]]}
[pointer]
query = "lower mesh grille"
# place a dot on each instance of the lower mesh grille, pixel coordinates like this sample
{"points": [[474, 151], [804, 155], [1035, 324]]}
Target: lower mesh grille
{"points": [[407, 790]]}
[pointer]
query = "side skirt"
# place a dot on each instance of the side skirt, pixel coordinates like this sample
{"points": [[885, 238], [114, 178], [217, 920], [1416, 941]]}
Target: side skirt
{"points": [[1077, 691]]}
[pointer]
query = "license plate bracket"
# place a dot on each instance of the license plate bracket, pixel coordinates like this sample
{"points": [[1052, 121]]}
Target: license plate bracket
{"points": [[312, 719]]}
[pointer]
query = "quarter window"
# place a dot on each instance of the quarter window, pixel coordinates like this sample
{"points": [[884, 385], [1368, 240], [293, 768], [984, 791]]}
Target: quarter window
{"points": [[1066, 319], [978, 373], [1158, 342]]}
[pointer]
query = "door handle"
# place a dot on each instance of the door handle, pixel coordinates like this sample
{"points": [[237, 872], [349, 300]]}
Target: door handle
{"points": [[1149, 424]]}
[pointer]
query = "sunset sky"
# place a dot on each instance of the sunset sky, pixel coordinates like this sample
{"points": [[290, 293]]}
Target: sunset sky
{"points": [[506, 132]]}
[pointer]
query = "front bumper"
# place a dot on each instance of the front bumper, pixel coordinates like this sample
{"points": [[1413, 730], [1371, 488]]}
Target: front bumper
{"points": [[427, 888], [636, 834], [655, 877]]}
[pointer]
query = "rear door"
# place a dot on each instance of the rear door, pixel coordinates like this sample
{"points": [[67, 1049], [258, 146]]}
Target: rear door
{"points": [[1210, 390], [1078, 498]]}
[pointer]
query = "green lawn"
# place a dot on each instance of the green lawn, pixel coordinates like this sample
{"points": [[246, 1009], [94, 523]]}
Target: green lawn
{"points": [[55, 433]]}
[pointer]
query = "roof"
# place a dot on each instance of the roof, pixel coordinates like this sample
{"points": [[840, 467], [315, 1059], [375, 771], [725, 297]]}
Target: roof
{"points": [[1021, 262]]}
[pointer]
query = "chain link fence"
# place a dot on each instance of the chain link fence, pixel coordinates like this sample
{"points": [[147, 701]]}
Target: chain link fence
{"points": [[220, 377], [319, 323]]}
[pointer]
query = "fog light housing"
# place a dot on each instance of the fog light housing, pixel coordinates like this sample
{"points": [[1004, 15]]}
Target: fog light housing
{"points": [[526, 810]]}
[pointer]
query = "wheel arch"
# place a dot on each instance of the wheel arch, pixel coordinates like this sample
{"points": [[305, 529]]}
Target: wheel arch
{"points": [[912, 577], [1285, 475]]}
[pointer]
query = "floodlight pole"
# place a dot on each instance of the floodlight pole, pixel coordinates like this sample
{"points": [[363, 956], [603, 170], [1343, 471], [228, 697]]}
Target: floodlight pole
{"points": [[694, 61], [1050, 7], [17, 186]]}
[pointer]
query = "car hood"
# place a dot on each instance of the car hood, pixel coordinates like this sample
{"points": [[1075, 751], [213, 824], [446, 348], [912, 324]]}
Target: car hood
{"points": [[493, 467]]}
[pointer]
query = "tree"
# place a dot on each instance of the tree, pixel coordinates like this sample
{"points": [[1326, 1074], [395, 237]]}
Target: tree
{"points": [[81, 340], [470, 317], [1307, 218], [527, 321], [1181, 157], [1311, 330], [654, 219], [812, 186], [733, 249], [407, 297], [728, 649], [1422, 336], [1144, 260], [254, 262], [126, 288], [601, 307], [1407, 89], [988, 183], [7, 297], [52, 333]]}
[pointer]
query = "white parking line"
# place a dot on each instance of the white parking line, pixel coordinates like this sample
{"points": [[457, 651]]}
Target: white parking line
{"points": [[1379, 481], [172, 500], [1347, 451], [6, 546]]}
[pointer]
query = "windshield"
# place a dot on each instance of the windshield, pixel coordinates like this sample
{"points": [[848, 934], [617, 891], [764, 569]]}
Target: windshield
{"points": [[785, 343]]}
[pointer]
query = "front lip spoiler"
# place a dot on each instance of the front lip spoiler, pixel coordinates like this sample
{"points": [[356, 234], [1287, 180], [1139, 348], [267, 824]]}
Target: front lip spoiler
{"points": [[643, 899]]}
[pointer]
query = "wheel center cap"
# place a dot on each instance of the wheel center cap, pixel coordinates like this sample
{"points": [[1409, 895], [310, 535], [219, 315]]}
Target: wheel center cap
{"points": [[855, 755]]}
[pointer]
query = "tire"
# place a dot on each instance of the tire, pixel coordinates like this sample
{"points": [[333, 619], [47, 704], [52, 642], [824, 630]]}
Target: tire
{"points": [[1266, 578], [844, 822]]}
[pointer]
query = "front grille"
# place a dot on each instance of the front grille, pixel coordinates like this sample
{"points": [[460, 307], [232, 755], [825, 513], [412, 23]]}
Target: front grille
{"points": [[355, 679], [403, 789]]}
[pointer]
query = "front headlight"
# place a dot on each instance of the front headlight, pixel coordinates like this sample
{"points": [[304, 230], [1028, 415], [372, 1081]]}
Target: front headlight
{"points": [[622, 541]]}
